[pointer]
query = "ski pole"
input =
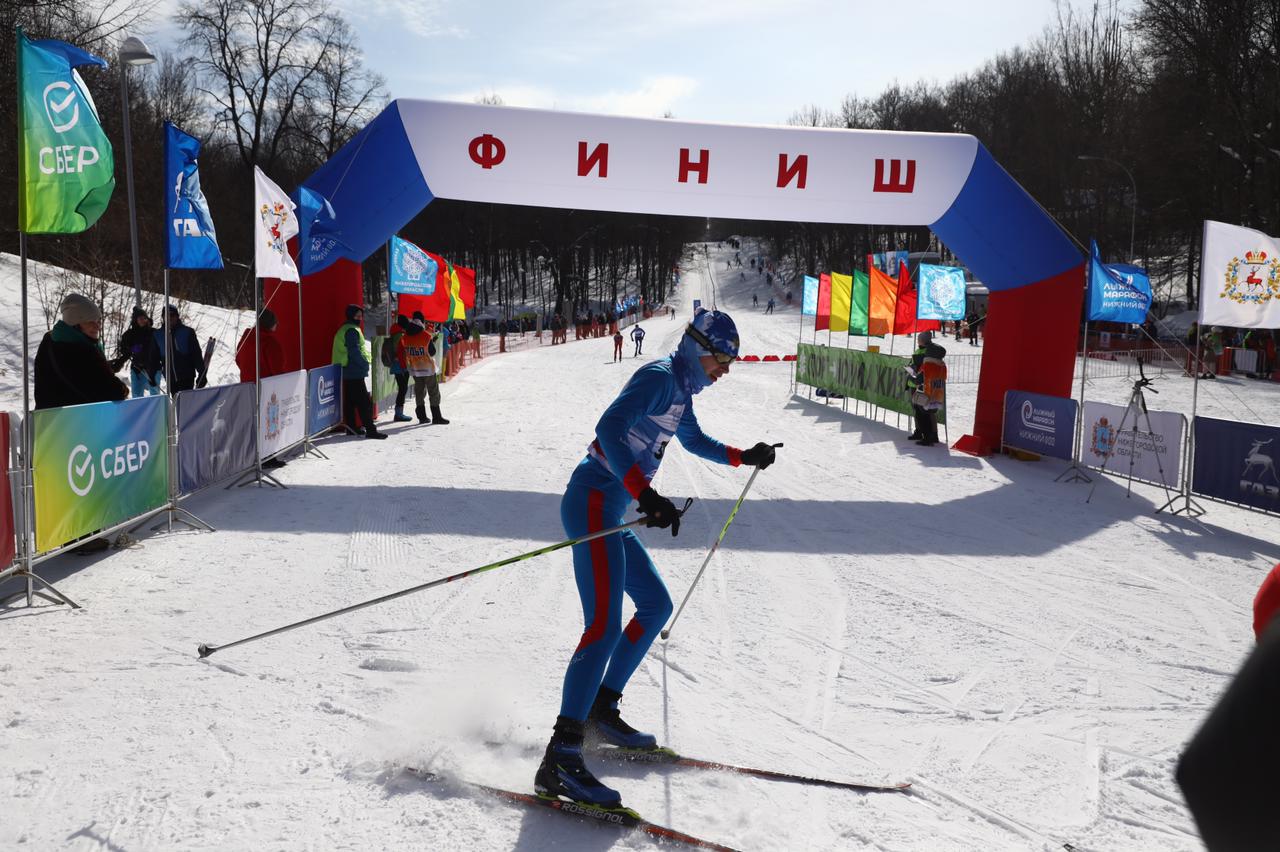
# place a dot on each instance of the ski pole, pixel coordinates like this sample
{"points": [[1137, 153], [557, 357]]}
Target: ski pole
{"points": [[712, 552], [206, 650]]}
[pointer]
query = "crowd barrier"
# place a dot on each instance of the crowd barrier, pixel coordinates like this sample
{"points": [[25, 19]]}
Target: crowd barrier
{"points": [[1228, 461]]}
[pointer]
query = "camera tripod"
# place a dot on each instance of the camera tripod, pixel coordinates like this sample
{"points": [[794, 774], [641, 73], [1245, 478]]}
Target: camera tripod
{"points": [[1137, 406]]}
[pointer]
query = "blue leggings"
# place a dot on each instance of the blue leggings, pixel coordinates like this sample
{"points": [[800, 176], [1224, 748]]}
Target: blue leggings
{"points": [[605, 568]]}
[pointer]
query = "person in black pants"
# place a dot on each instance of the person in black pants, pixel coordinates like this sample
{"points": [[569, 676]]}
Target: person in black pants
{"points": [[352, 352]]}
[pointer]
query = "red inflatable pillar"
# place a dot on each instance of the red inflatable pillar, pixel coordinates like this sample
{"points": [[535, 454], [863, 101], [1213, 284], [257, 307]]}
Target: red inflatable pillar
{"points": [[325, 296]]}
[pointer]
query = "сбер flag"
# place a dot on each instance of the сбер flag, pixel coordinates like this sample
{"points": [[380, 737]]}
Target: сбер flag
{"points": [[941, 292], [1239, 277], [822, 320], [66, 170], [190, 241], [883, 297], [841, 294], [274, 222], [809, 298], [1118, 292], [413, 271], [859, 302]]}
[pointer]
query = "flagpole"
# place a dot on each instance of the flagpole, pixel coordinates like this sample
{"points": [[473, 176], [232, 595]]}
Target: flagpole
{"points": [[799, 339]]}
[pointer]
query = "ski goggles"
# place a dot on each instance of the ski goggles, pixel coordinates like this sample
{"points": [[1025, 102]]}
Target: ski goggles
{"points": [[702, 340]]}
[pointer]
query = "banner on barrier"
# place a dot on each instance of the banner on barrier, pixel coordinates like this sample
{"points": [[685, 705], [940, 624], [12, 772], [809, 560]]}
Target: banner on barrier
{"points": [[97, 465], [324, 398], [215, 434], [1040, 424], [8, 529], [382, 385], [1155, 456], [1235, 462], [868, 376], [280, 421]]}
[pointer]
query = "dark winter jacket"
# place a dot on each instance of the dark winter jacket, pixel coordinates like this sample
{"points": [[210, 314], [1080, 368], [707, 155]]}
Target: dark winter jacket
{"points": [[188, 360], [139, 347], [70, 369]]}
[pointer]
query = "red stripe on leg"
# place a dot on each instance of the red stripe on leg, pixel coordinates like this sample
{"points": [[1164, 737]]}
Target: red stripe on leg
{"points": [[634, 630], [599, 570]]}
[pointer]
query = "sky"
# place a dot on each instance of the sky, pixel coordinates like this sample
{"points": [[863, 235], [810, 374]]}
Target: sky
{"points": [[741, 61]]}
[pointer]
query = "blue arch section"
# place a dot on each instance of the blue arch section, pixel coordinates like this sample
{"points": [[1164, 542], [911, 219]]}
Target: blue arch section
{"points": [[1005, 238], [374, 184]]}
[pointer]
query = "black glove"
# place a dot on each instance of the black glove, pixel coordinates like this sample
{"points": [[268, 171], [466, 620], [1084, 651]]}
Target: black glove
{"points": [[202, 380], [761, 455], [660, 511]]}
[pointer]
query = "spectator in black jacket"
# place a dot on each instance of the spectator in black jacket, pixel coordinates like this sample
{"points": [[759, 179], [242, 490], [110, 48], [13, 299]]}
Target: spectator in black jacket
{"points": [[138, 348], [187, 370], [70, 368]]}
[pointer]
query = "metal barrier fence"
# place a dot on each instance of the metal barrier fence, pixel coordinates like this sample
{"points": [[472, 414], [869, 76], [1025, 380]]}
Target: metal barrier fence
{"points": [[965, 369]]}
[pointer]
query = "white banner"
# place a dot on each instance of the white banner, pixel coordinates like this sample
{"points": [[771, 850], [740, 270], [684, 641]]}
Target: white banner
{"points": [[633, 165], [1239, 278], [280, 420], [275, 220], [1161, 450]]}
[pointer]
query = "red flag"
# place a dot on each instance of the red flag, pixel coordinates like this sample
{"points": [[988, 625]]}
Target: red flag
{"points": [[466, 286], [823, 319], [435, 308], [904, 312]]}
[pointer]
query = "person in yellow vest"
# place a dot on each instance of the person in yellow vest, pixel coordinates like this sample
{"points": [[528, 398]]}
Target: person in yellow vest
{"points": [[417, 352], [352, 352]]}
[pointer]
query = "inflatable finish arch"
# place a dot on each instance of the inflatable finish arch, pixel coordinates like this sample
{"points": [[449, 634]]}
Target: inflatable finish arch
{"points": [[415, 151]]}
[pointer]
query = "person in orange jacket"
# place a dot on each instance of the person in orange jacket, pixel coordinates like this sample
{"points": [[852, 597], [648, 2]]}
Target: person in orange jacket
{"points": [[416, 353]]}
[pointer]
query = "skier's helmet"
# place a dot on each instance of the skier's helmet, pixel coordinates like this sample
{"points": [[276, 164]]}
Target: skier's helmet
{"points": [[715, 334]]}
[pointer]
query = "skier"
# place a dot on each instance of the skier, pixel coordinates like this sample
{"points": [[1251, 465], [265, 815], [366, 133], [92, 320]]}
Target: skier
{"points": [[637, 335], [768, 306], [617, 346], [755, 300], [631, 439]]}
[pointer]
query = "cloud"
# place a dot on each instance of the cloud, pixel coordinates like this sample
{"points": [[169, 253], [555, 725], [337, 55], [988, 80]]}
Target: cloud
{"points": [[421, 17], [652, 98]]}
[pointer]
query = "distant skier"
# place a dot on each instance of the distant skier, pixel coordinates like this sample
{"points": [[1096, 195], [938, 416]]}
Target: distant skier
{"points": [[617, 346], [768, 306], [631, 439], [755, 300], [637, 336]]}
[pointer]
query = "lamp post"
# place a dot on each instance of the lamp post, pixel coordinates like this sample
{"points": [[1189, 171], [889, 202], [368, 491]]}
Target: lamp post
{"points": [[1134, 217], [133, 53]]}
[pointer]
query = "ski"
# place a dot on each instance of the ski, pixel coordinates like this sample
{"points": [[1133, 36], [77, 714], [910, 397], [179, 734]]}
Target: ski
{"points": [[665, 756], [621, 818]]}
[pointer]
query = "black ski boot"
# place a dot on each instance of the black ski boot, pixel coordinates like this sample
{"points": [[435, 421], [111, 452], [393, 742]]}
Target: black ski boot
{"points": [[606, 724], [421, 411], [563, 774], [437, 417]]}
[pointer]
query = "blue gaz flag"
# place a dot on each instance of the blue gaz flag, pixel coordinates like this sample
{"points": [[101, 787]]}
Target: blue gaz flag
{"points": [[190, 241], [413, 271], [1118, 292], [942, 293], [809, 299], [319, 242]]}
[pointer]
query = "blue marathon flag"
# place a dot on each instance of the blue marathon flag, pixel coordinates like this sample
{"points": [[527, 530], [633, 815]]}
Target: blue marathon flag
{"points": [[319, 235], [413, 271], [190, 241], [1118, 292]]}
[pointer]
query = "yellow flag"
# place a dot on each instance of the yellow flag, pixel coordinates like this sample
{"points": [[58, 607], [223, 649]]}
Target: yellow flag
{"points": [[841, 301]]}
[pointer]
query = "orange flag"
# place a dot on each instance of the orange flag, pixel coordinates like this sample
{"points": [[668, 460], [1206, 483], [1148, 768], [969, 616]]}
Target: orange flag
{"points": [[884, 292]]}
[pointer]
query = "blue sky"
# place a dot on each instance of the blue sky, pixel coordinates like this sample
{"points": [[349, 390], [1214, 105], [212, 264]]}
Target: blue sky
{"points": [[748, 61]]}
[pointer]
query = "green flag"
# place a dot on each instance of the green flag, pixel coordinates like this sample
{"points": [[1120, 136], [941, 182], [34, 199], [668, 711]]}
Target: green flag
{"points": [[66, 170], [861, 303]]}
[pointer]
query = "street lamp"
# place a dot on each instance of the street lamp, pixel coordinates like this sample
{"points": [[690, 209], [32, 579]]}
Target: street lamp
{"points": [[133, 53], [1134, 217]]}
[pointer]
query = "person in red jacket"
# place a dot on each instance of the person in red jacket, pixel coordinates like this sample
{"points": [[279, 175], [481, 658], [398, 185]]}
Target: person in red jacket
{"points": [[272, 355]]}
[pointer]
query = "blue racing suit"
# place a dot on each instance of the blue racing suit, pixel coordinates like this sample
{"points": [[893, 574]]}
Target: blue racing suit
{"points": [[631, 439]]}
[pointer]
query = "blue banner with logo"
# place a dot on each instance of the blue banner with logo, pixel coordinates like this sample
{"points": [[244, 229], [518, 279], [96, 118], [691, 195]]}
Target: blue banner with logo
{"points": [[1236, 462], [1118, 292], [324, 398], [941, 291], [413, 271], [215, 434], [809, 299], [189, 238], [1045, 425]]}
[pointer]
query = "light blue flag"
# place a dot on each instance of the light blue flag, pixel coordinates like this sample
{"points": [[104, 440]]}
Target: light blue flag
{"points": [[190, 241], [809, 300], [413, 271], [1118, 292], [942, 293]]}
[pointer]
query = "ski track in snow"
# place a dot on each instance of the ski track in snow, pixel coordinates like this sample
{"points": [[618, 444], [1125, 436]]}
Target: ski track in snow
{"points": [[877, 611]]}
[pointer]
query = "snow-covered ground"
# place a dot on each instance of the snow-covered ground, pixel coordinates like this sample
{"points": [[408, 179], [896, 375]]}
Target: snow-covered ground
{"points": [[1032, 663]]}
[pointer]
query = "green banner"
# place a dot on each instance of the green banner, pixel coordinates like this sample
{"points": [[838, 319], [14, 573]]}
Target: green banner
{"points": [[381, 381], [97, 465], [66, 170], [869, 376]]}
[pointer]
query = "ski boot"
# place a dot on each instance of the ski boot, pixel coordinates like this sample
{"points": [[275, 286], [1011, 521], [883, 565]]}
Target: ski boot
{"points": [[564, 775], [401, 417], [605, 724]]}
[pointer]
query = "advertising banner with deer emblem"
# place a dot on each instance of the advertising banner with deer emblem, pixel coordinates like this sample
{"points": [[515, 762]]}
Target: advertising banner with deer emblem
{"points": [[1236, 462]]}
